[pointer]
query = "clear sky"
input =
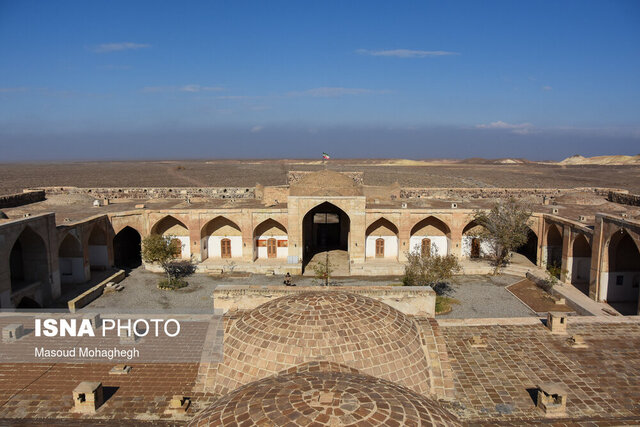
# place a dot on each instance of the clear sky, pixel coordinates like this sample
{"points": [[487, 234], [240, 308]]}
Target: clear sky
{"points": [[161, 79]]}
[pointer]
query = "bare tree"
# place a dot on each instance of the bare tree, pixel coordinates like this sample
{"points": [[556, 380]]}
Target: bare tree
{"points": [[505, 228]]}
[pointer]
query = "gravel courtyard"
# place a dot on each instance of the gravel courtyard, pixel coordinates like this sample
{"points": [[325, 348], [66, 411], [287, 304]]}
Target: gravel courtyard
{"points": [[479, 296]]}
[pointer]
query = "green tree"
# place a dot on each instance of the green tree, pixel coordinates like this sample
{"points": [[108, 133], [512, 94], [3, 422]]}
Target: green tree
{"points": [[505, 228], [164, 250], [424, 270]]}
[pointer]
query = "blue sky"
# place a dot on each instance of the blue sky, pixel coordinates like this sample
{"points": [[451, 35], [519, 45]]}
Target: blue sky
{"points": [[136, 79]]}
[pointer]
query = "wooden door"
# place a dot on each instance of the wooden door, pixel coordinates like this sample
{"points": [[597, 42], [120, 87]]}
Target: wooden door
{"points": [[225, 248], [426, 247], [475, 248], [379, 248], [177, 243], [272, 248]]}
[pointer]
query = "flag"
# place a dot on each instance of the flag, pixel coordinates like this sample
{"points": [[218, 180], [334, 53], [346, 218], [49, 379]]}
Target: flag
{"points": [[325, 156]]}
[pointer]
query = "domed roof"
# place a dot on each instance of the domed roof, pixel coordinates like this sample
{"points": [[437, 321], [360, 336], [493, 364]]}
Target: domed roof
{"points": [[334, 326], [321, 393], [325, 183]]}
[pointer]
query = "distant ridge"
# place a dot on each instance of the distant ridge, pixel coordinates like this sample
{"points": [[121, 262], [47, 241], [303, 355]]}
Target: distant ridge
{"points": [[601, 160]]}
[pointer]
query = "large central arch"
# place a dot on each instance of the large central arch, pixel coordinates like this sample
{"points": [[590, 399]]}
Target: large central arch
{"points": [[324, 228]]}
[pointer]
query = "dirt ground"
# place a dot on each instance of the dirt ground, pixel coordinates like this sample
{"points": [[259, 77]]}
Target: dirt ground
{"points": [[246, 173], [537, 299]]}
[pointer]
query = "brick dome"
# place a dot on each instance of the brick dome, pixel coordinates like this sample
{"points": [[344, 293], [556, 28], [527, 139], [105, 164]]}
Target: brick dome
{"points": [[334, 326], [323, 393]]}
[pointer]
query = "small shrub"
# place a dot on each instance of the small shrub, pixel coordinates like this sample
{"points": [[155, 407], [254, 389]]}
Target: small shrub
{"points": [[172, 284], [554, 272], [424, 270], [445, 304]]}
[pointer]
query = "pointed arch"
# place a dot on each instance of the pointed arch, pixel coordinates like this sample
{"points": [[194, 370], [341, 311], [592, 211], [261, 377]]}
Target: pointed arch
{"points": [[98, 250], [326, 228], [127, 245], [71, 260], [430, 236], [381, 240], [221, 238], [431, 226], [553, 245], [170, 226], [28, 260], [580, 262], [623, 287], [270, 240]]}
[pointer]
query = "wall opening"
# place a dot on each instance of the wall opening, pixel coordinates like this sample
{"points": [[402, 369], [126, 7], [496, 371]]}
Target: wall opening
{"points": [[98, 251], [325, 228], [530, 248], [624, 273], [71, 260], [28, 261], [554, 246], [127, 246], [581, 263], [382, 240], [431, 230]]}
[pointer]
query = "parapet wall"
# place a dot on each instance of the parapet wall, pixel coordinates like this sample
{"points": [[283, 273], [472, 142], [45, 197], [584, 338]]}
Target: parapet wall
{"points": [[411, 300], [157, 192], [295, 176], [19, 199], [624, 198], [493, 192]]}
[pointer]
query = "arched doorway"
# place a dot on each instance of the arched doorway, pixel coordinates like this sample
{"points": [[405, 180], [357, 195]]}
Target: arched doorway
{"points": [[98, 251], [326, 228], [624, 273], [71, 260], [554, 246], [581, 263], [174, 229], [472, 245], [127, 248], [530, 248], [270, 240], [28, 261], [382, 240], [221, 238], [433, 230]]}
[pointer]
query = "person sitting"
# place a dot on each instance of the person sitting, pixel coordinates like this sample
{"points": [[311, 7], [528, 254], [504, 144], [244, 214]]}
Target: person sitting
{"points": [[287, 279]]}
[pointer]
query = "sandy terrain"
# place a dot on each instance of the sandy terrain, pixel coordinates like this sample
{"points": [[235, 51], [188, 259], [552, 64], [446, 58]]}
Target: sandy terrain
{"points": [[246, 173]]}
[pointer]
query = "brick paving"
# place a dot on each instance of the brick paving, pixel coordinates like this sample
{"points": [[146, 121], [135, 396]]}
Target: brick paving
{"points": [[43, 391], [495, 382], [334, 358]]}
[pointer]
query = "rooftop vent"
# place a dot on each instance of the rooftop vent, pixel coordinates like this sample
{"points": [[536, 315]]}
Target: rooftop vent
{"points": [[552, 399], [87, 397]]}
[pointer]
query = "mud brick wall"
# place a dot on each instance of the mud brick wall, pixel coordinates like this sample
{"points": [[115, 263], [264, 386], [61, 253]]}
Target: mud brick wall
{"points": [[493, 192], [158, 193], [19, 199], [624, 199]]}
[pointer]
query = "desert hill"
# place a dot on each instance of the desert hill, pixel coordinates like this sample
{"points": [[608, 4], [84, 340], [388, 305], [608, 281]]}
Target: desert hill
{"points": [[601, 160]]}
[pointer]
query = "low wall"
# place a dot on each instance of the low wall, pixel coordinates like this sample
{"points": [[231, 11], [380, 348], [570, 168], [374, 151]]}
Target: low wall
{"points": [[91, 294], [493, 192], [411, 300], [624, 198], [19, 199], [157, 192]]}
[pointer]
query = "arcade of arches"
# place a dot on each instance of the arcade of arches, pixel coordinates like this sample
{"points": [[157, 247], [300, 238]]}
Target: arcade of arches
{"points": [[360, 238]]}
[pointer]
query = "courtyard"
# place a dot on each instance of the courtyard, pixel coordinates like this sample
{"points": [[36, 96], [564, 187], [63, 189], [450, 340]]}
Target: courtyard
{"points": [[479, 296]]}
